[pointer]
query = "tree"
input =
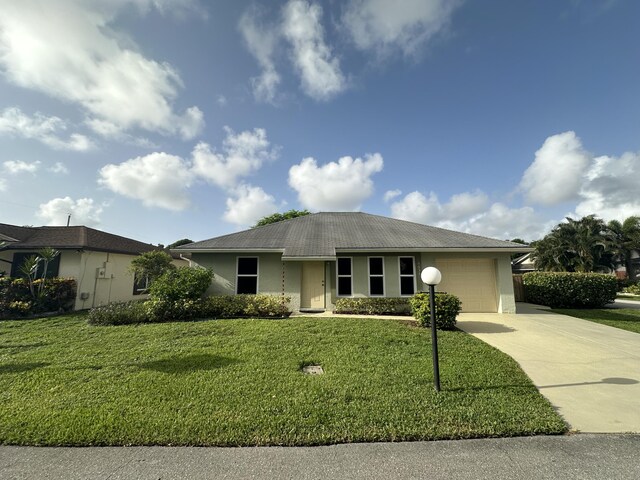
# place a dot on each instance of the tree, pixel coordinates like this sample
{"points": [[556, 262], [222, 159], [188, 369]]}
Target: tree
{"points": [[575, 246], [151, 265], [623, 238], [177, 243], [278, 217]]}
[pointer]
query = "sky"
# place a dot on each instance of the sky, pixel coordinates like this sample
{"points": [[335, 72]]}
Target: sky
{"points": [[168, 119]]}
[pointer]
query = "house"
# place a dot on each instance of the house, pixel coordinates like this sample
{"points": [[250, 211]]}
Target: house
{"points": [[523, 264], [319, 258], [99, 261]]}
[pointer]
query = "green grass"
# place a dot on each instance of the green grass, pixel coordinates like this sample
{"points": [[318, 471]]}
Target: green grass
{"points": [[238, 382], [624, 318], [633, 298]]}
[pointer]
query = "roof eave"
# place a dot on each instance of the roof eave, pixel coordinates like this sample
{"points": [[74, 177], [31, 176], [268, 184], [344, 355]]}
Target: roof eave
{"points": [[440, 249]]}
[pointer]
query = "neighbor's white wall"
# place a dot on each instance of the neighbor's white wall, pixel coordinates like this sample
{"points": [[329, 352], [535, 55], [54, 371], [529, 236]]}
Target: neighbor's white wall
{"points": [[117, 286]]}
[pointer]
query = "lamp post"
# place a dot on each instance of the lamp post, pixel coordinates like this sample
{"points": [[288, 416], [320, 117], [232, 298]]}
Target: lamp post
{"points": [[432, 277]]}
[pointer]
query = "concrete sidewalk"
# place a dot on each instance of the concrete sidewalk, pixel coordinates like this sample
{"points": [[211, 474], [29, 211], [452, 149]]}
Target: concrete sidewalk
{"points": [[589, 372], [566, 457]]}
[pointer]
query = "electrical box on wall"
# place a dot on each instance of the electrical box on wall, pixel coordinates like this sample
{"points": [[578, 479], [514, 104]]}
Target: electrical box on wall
{"points": [[84, 295], [101, 272]]}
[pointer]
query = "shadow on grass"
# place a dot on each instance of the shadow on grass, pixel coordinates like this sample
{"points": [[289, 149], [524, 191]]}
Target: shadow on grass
{"points": [[22, 346], [189, 363], [20, 367]]}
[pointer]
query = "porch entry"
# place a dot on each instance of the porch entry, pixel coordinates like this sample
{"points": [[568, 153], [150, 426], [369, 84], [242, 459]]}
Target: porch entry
{"points": [[313, 286]]}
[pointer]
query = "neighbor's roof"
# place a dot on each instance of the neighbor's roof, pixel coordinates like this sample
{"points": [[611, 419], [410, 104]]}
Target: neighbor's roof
{"points": [[76, 237], [321, 235]]}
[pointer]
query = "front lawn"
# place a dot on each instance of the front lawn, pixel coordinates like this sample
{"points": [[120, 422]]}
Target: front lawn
{"points": [[625, 318], [239, 382]]}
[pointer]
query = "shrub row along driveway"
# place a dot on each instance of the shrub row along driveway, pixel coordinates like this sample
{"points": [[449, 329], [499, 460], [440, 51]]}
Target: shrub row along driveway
{"points": [[589, 372]]}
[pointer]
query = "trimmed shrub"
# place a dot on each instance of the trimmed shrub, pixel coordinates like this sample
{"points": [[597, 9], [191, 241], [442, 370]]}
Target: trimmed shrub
{"points": [[158, 310], [373, 306], [447, 309], [16, 300], [569, 289], [119, 313], [632, 289], [232, 306], [184, 283]]}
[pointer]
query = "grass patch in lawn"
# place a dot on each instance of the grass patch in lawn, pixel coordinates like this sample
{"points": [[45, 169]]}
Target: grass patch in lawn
{"points": [[239, 382], [633, 298], [624, 318]]}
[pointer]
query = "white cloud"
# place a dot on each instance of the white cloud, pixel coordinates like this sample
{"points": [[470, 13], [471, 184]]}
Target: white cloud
{"points": [[92, 64], [44, 129], [564, 171], [15, 167], [612, 187], [557, 173], [157, 179], [242, 154], [341, 185], [59, 167], [83, 211], [3, 185], [318, 68], [261, 41], [221, 100], [406, 25], [391, 194], [469, 212], [248, 204]]}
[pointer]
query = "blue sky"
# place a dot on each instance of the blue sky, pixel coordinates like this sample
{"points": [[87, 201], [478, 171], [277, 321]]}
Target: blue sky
{"points": [[159, 119]]}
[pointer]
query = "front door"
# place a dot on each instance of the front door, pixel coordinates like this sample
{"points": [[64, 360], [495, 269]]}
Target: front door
{"points": [[312, 291]]}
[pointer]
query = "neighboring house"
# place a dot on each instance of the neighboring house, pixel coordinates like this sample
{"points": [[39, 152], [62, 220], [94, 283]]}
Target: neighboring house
{"points": [[318, 258], [99, 261], [523, 264]]}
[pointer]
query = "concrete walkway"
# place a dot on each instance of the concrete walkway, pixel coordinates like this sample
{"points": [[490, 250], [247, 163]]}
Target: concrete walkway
{"points": [[589, 372], [566, 457]]}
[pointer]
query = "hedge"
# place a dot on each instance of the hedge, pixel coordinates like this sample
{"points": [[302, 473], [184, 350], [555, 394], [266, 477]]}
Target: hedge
{"points": [[57, 295], [569, 289], [448, 307], [160, 310], [633, 289], [373, 306]]}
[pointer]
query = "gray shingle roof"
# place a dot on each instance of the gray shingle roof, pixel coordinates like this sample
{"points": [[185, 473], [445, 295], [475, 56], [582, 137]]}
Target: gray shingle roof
{"points": [[322, 234], [76, 237]]}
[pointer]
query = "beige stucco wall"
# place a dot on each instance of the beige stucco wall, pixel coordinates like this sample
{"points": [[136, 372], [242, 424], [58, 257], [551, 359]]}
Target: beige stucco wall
{"points": [[115, 286], [504, 280]]}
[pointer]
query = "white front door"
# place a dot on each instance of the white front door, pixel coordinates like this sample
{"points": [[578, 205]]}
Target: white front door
{"points": [[312, 290]]}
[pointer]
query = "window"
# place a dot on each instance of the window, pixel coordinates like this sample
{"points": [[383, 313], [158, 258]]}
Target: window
{"points": [[376, 276], [247, 278], [140, 284], [407, 276], [20, 257], [345, 285]]}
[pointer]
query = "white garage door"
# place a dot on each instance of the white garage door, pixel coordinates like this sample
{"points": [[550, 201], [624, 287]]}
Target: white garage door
{"points": [[473, 281]]}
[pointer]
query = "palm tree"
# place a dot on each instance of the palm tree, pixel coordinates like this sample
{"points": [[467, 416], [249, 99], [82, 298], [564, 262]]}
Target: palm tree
{"points": [[623, 238], [574, 246]]}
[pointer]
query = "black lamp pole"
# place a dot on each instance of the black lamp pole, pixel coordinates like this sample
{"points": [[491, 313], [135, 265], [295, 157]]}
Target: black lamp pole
{"points": [[434, 337]]}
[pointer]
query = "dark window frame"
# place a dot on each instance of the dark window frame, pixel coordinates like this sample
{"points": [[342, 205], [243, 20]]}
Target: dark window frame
{"points": [[343, 275], [375, 275], [406, 275], [247, 275]]}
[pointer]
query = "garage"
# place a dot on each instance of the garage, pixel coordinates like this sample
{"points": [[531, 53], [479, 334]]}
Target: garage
{"points": [[472, 280]]}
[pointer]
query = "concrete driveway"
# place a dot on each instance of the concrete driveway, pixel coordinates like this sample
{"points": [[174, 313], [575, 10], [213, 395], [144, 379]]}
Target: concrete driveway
{"points": [[589, 372]]}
